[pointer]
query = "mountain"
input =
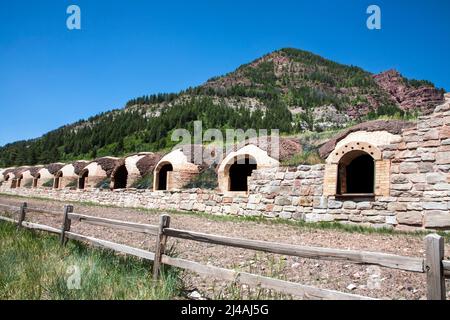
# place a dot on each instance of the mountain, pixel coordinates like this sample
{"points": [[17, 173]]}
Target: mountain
{"points": [[289, 89], [409, 95]]}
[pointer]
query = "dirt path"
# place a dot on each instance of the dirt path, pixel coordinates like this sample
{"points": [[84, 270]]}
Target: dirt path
{"points": [[331, 275]]}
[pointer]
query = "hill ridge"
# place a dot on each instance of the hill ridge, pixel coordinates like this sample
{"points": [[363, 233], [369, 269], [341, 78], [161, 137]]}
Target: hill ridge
{"points": [[288, 89]]}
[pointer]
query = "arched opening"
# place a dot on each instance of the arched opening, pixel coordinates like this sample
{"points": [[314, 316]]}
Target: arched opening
{"points": [[19, 181], [120, 177], [83, 179], [162, 176], [13, 183], [239, 172], [356, 174], [57, 180], [35, 180]]}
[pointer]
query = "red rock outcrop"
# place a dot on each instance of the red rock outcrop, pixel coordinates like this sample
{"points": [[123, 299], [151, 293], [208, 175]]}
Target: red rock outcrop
{"points": [[408, 97]]}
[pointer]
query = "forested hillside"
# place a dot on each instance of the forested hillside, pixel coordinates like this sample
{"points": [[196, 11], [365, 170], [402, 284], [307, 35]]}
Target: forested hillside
{"points": [[289, 89]]}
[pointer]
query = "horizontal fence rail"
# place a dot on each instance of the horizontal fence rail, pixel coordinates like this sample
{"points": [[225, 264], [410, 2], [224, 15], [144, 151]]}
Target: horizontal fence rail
{"points": [[40, 227], [112, 246], [117, 224], [8, 219], [253, 280], [358, 257], [6, 206], [39, 210], [432, 265], [446, 266]]}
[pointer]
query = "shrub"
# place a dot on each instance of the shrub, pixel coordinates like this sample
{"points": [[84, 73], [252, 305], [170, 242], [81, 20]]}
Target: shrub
{"points": [[207, 179], [391, 111], [306, 157], [104, 184], [72, 184], [28, 184], [48, 184], [145, 182]]}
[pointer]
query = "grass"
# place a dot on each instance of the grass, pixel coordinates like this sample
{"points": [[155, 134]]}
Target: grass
{"points": [[72, 184], [104, 184], [48, 183], [306, 157], [28, 184], [144, 182], [207, 179], [335, 226], [274, 267], [34, 266]]}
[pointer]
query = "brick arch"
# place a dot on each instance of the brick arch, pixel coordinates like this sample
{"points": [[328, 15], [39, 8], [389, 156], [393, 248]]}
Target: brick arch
{"points": [[58, 179], [162, 176], [336, 156], [184, 167], [19, 181], [256, 154], [83, 179], [345, 153], [119, 175], [226, 171], [36, 180]]}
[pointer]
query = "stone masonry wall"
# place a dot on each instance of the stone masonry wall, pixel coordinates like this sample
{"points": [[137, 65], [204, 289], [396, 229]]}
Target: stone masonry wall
{"points": [[420, 172], [288, 193], [273, 193], [418, 194]]}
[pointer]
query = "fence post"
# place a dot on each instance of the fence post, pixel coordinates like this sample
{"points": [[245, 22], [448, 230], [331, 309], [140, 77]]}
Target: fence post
{"points": [[66, 223], [22, 212], [161, 239], [434, 247]]}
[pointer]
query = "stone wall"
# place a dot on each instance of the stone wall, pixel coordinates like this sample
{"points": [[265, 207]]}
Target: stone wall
{"points": [[413, 179], [420, 172], [279, 192], [67, 181], [288, 193]]}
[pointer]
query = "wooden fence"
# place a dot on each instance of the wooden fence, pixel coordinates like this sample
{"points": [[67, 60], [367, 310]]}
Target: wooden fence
{"points": [[433, 265]]}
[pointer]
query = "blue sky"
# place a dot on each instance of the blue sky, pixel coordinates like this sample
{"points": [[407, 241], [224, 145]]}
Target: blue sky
{"points": [[50, 76]]}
